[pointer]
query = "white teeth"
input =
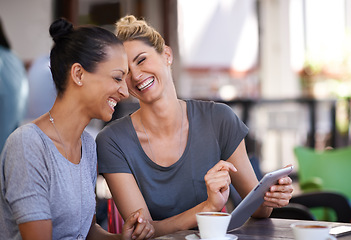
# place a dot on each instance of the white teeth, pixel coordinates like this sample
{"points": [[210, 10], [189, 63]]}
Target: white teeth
{"points": [[145, 84], [112, 103]]}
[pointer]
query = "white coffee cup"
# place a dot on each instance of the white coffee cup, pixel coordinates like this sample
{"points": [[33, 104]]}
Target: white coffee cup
{"points": [[308, 231], [213, 225]]}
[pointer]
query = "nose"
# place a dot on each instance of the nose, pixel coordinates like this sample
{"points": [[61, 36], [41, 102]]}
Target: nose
{"points": [[123, 90], [135, 74], [139, 76]]}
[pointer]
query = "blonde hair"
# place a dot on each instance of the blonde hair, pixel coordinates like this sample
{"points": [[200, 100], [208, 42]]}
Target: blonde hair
{"points": [[129, 28]]}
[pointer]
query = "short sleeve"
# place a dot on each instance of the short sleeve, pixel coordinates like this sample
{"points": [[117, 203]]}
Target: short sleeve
{"points": [[26, 177], [229, 128], [110, 155]]}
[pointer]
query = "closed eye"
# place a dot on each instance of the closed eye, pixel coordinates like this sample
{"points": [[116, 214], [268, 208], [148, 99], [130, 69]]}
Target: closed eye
{"points": [[141, 60], [118, 79]]}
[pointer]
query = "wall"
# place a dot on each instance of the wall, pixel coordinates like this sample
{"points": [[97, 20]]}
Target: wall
{"points": [[27, 26], [277, 77]]}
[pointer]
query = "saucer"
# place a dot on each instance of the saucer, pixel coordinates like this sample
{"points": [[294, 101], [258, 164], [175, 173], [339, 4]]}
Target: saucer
{"points": [[227, 237]]}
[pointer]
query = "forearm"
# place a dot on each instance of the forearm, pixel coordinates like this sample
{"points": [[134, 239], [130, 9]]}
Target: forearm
{"points": [[217, 183], [97, 232], [182, 221], [262, 212], [38, 230]]}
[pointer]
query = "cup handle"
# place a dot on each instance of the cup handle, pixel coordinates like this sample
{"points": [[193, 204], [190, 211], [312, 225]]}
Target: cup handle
{"points": [[331, 237]]}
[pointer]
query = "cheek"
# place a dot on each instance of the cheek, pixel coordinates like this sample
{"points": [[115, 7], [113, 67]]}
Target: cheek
{"points": [[129, 84]]}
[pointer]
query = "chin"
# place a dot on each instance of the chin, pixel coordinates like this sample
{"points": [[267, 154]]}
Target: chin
{"points": [[107, 118]]}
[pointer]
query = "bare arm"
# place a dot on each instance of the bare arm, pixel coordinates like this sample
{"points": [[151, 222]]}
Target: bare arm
{"points": [[128, 198], [36, 230], [97, 232], [42, 230], [244, 180], [134, 226]]}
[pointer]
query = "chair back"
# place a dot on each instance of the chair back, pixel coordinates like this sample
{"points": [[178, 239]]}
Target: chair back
{"points": [[330, 200], [114, 218], [331, 168], [293, 211]]}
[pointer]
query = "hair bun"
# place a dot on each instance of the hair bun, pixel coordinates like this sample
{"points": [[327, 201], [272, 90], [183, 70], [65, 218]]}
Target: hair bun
{"points": [[59, 28], [126, 21]]}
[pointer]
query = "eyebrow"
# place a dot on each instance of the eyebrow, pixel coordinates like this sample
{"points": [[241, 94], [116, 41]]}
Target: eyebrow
{"points": [[120, 70], [134, 59]]}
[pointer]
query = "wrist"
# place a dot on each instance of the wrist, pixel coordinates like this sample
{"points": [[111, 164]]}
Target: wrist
{"points": [[208, 207], [262, 212]]}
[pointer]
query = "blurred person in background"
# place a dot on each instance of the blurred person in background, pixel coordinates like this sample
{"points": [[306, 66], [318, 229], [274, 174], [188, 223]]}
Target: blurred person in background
{"points": [[13, 89], [41, 87]]}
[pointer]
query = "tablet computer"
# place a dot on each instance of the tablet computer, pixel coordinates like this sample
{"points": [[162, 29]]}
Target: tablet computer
{"points": [[339, 231], [255, 198]]}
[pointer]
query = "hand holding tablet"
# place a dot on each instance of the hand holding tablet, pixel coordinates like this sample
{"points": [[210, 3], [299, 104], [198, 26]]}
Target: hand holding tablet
{"points": [[255, 198]]}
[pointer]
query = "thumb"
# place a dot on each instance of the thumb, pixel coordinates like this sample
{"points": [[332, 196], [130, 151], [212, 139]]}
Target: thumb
{"points": [[131, 220]]}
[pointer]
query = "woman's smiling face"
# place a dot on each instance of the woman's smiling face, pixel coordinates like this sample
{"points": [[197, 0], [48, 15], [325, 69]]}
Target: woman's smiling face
{"points": [[148, 70], [107, 84]]}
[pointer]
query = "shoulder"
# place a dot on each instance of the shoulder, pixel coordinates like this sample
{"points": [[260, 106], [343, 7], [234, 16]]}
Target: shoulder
{"points": [[27, 148], [89, 153], [27, 133], [220, 115], [89, 143], [11, 62], [215, 108], [114, 128], [87, 137]]}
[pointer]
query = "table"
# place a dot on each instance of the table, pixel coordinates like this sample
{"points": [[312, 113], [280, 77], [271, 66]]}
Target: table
{"points": [[260, 229]]}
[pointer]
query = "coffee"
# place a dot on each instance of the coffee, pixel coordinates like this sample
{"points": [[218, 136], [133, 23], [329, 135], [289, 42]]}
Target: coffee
{"points": [[310, 226], [213, 224], [311, 231], [213, 214]]}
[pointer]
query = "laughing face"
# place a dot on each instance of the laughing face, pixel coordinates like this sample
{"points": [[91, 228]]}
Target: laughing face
{"points": [[148, 70], [106, 85]]}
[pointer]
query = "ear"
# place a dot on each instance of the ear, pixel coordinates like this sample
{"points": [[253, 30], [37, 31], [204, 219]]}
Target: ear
{"points": [[168, 54], [77, 74]]}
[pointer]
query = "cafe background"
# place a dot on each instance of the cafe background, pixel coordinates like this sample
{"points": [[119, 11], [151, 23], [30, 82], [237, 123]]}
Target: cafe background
{"points": [[283, 65]]}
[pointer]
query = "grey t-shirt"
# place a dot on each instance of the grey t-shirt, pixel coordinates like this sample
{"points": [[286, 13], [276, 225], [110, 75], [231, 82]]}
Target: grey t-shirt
{"points": [[214, 134], [38, 183]]}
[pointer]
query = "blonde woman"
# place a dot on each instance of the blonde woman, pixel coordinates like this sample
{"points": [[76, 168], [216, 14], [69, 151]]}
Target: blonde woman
{"points": [[174, 157]]}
